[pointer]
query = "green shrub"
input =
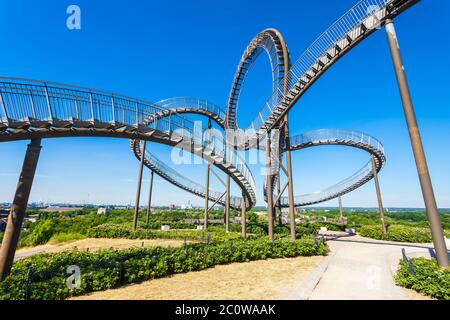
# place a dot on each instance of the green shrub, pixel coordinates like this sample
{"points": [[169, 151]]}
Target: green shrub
{"points": [[427, 278], [123, 231], [107, 269], [66, 237], [398, 233], [41, 233]]}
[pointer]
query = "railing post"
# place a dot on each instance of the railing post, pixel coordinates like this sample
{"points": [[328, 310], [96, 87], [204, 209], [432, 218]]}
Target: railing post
{"points": [[92, 106], [113, 109], [5, 112], [49, 107], [33, 109], [419, 154]]}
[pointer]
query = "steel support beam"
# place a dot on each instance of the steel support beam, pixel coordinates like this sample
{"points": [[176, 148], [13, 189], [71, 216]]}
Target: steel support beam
{"points": [[243, 217], [206, 196], [377, 188], [290, 178], [208, 168], [19, 207], [149, 208], [227, 206], [278, 202], [139, 185], [341, 213], [419, 154], [269, 187]]}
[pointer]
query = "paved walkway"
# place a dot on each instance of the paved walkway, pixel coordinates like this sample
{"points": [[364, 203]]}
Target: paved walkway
{"points": [[359, 268]]}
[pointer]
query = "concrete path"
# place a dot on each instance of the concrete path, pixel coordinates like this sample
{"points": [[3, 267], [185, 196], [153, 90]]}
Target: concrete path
{"points": [[359, 268]]}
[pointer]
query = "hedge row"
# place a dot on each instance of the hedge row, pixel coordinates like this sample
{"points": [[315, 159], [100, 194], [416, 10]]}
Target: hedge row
{"points": [[426, 278], [109, 268], [125, 231], [398, 233]]}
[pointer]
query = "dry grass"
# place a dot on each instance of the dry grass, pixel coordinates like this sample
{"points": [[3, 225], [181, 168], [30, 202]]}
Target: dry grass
{"points": [[94, 244], [267, 279]]}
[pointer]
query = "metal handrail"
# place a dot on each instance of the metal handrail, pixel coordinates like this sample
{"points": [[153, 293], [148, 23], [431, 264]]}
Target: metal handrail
{"points": [[43, 104]]}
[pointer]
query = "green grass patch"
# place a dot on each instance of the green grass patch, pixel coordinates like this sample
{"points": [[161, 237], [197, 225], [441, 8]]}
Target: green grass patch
{"points": [[66, 237]]}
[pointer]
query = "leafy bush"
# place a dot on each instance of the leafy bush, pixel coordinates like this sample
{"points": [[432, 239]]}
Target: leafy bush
{"points": [[109, 268], [398, 233], [122, 231], [427, 278], [41, 233]]}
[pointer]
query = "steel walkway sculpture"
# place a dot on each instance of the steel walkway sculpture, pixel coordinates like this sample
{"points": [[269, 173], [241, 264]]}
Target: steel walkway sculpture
{"points": [[32, 110]]}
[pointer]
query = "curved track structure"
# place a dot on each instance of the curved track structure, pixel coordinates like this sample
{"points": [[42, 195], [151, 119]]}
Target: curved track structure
{"points": [[363, 19], [353, 139], [289, 83]]}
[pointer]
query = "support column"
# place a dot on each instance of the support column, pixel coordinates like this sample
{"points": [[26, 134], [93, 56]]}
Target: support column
{"points": [[341, 213], [19, 207], [243, 218], [139, 185], [280, 216], [290, 178], [149, 208], [227, 206], [377, 188], [419, 154], [269, 187], [208, 168]]}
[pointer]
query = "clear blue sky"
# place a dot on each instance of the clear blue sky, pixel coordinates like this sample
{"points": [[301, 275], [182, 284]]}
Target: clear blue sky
{"points": [[160, 49]]}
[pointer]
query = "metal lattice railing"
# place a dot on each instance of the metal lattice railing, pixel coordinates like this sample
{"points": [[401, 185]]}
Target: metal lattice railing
{"points": [[28, 103]]}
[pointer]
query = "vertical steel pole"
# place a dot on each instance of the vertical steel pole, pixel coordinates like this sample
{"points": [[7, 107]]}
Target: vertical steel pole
{"points": [[208, 167], [280, 217], [419, 154], [290, 179], [149, 208], [377, 188], [19, 207], [341, 213], [269, 187], [243, 217], [139, 184], [227, 206]]}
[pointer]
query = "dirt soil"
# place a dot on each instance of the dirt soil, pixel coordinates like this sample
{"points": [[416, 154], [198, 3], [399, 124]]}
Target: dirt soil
{"points": [[261, 280]]}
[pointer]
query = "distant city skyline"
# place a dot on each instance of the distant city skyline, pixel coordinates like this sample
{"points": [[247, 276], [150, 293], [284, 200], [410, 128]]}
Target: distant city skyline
{"points": [[143, 52]]}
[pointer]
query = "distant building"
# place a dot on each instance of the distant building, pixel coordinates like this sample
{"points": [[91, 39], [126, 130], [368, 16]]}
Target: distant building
{"points": [[171, 206], [103, 211], [186, 206]]}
